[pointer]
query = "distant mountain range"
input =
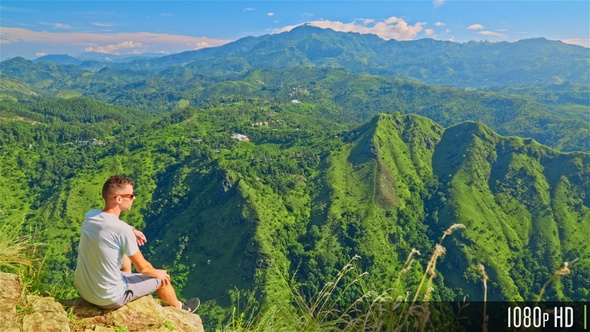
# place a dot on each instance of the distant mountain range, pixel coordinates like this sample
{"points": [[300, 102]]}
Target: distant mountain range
{"points": [[468, 65], [64, 59]]}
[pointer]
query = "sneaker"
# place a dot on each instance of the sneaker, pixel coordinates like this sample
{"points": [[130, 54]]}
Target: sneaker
{"points": [[191, 305]]}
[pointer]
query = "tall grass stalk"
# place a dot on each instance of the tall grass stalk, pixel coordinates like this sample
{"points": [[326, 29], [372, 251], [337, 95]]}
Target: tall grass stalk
{"points": [[423, 312], [322, 312], [484, 277], [562, 271], [439, 250]]}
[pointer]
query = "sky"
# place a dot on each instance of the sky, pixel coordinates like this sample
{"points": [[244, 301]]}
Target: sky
{"points": [[32, 29]]}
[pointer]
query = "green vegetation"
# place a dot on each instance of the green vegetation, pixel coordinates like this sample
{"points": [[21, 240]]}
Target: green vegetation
{"points": [[336, 165], [17, 250], [334, 95], [299, 200]]}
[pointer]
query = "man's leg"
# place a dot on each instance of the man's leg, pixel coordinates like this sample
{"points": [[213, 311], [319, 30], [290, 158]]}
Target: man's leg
{"points": [[141, 285], [167, 295], [138, 285]]}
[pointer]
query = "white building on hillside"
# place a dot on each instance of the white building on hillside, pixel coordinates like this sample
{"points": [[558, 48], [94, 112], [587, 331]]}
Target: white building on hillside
{"points": [[241, 138]]}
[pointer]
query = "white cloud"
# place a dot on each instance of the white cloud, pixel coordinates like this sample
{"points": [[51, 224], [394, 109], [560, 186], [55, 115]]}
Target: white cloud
{"points": [[429, 32], [61, 26], [439, 24], [107, 43], [438, 3], [202, 44], [391, 28], [56, 25], [39, 54], [248, 9], [475, 27], [102, 25], [578, 41], [271, 14], [115, 48], [492, 34]]}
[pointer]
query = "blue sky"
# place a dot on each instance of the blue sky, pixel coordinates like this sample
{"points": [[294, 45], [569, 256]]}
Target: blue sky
{"points": [[36, 28]]}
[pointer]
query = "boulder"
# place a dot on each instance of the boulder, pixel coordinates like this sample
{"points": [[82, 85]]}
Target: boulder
{"points": [[19, 313], [44, 314], [10, 292], [143, 314]]}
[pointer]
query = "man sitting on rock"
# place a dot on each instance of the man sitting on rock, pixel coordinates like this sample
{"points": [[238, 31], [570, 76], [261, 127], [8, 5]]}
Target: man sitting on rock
{"points": [[106, 250]]}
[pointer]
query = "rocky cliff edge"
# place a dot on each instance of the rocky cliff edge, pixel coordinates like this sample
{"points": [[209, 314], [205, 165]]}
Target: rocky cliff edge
{"points": [[23, 313]]}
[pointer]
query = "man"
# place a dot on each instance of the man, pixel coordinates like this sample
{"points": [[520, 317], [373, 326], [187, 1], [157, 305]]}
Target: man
{"points": [[106, 250]]}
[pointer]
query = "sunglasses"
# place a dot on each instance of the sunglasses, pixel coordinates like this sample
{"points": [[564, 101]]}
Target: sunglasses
{"points": [[131, 196]]}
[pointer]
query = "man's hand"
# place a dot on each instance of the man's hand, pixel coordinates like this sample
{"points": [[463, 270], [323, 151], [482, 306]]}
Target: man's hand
{"points": [[163, 275], [140, 237]]}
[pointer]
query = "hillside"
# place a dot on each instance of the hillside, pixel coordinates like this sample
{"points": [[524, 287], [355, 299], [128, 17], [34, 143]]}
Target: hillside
{"points": [[397, 185], [338, 96], [302, 203]]}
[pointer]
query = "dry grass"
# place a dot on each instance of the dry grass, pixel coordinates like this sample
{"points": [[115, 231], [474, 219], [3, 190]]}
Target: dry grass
{"points": [[562, 271], [17, 249], [484, 277], [371, 311]]}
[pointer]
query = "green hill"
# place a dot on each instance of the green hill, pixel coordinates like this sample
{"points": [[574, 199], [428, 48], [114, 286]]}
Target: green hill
{"points": [[293, 205], [11, 90], [336, 95]]}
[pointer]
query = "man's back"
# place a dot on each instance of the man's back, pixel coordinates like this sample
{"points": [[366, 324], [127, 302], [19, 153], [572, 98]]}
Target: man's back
{"points": [[103, 241]]}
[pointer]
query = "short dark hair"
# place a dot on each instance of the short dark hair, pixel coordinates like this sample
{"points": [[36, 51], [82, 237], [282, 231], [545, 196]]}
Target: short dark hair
{"points": [[114, 184]]}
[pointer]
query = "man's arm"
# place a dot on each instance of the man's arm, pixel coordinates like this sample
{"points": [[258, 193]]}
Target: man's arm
{"points": [[144, 267], [140, 237]]}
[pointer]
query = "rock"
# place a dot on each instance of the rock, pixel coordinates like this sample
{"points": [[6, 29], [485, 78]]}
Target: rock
{"points": [[46, 315], [143, 314], [182, 321], [10, 291], [38, 313]]}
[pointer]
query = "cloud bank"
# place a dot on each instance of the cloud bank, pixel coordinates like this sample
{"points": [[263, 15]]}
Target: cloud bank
{"points": [[492, 34], [391, 28], [117, 43], [116, 48], [578, 41]]}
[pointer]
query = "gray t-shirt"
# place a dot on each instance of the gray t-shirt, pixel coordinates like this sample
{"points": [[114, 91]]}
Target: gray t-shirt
{"points": [[104, 239]]}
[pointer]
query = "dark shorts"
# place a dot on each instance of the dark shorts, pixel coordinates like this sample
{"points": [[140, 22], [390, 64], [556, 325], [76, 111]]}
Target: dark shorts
{"points": [[138, 285]]}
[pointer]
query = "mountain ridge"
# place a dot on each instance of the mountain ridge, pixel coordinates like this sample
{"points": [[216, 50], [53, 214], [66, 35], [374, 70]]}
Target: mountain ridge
{"points": [[468, 65]]}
